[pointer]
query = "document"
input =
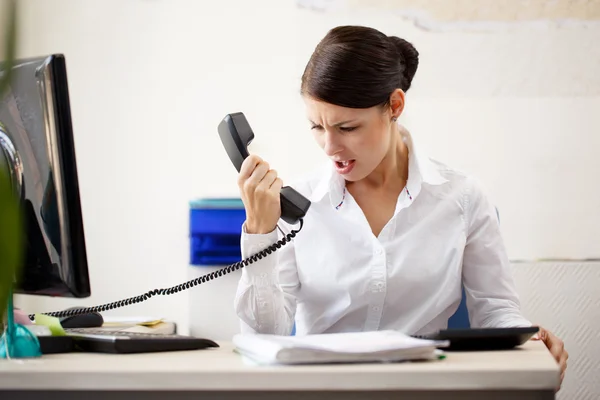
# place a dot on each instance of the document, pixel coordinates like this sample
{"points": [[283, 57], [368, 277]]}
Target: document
{"points": [[352, 347]]}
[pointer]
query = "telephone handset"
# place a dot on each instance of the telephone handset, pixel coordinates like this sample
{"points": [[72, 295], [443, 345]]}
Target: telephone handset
{"points": [[236, 135]]}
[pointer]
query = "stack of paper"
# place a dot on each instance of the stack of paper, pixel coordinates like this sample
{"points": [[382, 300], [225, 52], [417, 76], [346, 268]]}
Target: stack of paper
{"points": [[353, 347], [138, 324], [120, 321]]}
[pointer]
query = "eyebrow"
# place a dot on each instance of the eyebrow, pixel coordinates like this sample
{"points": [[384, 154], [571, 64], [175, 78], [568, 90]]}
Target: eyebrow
{"points": [[336, 124]]}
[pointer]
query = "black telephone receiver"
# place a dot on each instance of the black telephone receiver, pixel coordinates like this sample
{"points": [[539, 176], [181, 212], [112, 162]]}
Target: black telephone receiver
{"points": [[236, 135]]}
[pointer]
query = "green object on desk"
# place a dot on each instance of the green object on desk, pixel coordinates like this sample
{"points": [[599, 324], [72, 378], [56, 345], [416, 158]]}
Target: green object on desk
{"points": [[51, 322], [18, 341]]}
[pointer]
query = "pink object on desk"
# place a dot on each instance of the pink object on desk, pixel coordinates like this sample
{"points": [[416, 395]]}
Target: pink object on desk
{"points": [[21, 317]]}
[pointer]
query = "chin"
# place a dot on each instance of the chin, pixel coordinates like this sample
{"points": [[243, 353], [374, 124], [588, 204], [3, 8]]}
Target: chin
{"points": [[355, 176]]}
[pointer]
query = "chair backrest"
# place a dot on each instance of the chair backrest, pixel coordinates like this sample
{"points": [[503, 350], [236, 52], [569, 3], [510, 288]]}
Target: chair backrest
{"points": [[460, 319]]}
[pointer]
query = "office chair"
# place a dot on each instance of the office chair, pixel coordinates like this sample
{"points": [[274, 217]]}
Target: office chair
{"points": [[460, 319]]}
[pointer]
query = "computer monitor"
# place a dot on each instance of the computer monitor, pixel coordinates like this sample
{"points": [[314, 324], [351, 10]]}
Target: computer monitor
{"points": [[37, 147]]}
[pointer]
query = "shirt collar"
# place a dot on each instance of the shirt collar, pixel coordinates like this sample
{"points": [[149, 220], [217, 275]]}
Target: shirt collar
{"points": [[420, 170]]}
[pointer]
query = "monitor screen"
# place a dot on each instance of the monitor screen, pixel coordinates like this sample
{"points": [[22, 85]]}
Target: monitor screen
{"points": [[36, 142]]}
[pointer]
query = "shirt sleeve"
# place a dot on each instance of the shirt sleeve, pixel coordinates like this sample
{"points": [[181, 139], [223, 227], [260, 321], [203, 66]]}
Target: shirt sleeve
{"points": [[265, 300], [491, 296]]}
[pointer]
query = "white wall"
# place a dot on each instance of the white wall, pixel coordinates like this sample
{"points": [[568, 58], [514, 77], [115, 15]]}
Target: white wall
{"points": [[517, 105], [563, 295]]}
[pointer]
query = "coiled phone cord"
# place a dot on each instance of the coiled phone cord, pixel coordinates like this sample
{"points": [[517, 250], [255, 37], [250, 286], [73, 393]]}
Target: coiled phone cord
{"points": [[175, 289]]}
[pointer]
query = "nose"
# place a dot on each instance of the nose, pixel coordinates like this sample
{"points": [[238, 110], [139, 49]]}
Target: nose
{"points": [[331, 143]]}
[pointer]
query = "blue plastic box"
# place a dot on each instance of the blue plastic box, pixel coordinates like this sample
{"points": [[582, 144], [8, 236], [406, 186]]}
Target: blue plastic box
{"points": [[215, 231]]}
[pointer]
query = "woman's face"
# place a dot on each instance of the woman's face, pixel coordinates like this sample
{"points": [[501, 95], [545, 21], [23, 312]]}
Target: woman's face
{"points": [[355, 140]]}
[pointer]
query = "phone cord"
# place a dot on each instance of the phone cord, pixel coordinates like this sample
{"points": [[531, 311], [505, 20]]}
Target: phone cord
{"points": [[175, 289]]}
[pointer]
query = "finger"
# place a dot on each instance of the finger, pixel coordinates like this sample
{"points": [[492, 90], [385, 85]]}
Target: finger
{"points": [[267, 181], [556, 352], [557, 347], [539, 334], [257, 175], [248, 167], [563, 361], [277, 185], [554, 344]]}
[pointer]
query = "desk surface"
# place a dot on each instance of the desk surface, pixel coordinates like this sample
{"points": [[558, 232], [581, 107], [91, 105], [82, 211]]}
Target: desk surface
{"points": [[530, 367]]}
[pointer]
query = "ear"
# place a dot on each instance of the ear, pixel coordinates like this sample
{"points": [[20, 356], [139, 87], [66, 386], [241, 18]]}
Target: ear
{"points": [[396, 103]]}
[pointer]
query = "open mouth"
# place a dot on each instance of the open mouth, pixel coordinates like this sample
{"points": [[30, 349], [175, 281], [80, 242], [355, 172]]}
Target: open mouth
{"points": [[343, 164], [344, 167]]}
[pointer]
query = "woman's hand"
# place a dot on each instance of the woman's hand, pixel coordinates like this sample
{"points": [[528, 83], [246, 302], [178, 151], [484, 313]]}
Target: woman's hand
{"points": [[259, 188], [557, 348]]}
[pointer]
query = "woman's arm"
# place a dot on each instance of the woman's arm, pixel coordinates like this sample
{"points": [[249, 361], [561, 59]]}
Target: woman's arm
{"points": [[492, 299], [266, 295], [491, 296]]}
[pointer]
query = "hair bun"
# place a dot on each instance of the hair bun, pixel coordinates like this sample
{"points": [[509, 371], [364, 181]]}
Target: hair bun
{"points": [[358, 67], [409, 58]]}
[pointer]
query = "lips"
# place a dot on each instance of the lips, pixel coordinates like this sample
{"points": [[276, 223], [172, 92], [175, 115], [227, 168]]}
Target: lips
{"points": [[344, 167]]}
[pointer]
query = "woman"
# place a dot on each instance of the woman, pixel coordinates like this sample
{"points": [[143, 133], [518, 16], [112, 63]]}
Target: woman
{"points": [[391, 236]]}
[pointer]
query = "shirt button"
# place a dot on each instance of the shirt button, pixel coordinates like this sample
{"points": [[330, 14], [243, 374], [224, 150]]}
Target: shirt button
{"points": [[375, 308], [378, 251]]}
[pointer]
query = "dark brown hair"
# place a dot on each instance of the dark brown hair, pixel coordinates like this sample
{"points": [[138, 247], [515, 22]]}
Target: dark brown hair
{"points": [[359, 67]]}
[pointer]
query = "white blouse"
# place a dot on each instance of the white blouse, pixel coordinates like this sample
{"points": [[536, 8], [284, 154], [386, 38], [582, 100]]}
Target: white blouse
{"points": [[337, 276]]}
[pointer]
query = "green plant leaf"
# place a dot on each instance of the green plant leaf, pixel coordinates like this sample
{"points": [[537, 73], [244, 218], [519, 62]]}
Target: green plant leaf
{"points": [[10, 217], [11, 238]]}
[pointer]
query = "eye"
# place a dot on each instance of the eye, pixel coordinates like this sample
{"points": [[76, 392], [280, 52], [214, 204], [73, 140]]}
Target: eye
{"points": [[317, 127], [348, 128]]}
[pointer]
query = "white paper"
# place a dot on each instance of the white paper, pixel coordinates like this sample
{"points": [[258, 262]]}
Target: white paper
{"points": [[130, 320], [382, 346]]}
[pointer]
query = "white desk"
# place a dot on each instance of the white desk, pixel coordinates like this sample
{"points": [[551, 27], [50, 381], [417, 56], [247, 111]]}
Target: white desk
{"points": [[525, 373]]}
